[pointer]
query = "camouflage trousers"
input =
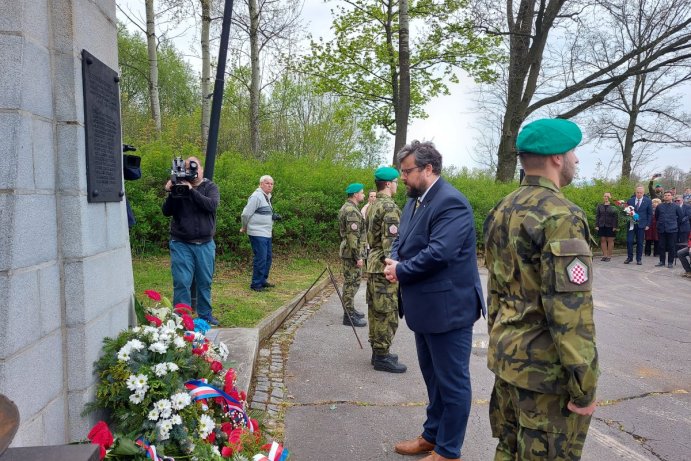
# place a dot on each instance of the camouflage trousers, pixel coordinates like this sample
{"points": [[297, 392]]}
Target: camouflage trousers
{"points": [[351, 284], [534, 426], [382, 300]]}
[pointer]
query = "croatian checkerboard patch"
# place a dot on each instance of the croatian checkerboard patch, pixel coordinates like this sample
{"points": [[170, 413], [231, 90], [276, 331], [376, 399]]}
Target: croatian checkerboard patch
{"points": [[577, 271]]}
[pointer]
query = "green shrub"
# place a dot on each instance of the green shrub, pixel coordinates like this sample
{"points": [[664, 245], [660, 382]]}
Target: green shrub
{"points": [[308, 194]]}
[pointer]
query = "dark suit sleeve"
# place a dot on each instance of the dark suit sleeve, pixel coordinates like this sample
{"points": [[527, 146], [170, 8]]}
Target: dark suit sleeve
{"points": [[449, 228], [649, 212]]}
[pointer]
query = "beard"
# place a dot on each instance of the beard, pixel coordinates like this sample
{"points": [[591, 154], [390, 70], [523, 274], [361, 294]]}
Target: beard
{"points": [[414, 192]]}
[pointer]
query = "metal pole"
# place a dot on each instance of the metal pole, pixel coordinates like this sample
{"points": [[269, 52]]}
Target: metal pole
{"points": [[217, 101], [340, 297]]}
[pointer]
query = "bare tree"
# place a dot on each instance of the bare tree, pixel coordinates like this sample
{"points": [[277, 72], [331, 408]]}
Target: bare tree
{"points": [[272, 27], [551, 29], [643, 113], [206, 70], [153, 65], [403, 104]]}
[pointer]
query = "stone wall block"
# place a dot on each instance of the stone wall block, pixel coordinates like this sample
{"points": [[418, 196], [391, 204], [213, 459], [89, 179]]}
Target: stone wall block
{"points": [[6, 231], [69, 97], [11, 57], [37, 91], [35, 23], [34, 377], [85, 342], [34, 230], [71, 159], [11, 16], [96, 284], [63, 25], [22, 324], [83, 227], [96, 24], [14, 130], [43, 153], [118, 232], [79, 426], [49, 298]]}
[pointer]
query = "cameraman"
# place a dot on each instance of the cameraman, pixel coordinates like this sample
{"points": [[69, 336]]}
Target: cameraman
{"points": [[257, 221], [192, 246]]}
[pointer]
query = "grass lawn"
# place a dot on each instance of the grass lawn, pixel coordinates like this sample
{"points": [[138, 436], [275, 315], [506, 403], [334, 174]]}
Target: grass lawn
{"points": [[234, 304]]}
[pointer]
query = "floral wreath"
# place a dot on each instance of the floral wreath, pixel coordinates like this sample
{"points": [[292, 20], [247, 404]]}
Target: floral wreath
{"points": [[168, 394]]}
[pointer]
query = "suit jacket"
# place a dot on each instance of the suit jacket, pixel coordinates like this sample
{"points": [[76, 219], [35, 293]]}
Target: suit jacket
{"points": [[439, 283], [645, 211], [685, 224]]}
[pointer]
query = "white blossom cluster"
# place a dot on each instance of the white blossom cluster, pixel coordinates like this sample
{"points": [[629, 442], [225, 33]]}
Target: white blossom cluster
{"points": [[139, 385], [206, 425], [126, 350], [162, 369]]}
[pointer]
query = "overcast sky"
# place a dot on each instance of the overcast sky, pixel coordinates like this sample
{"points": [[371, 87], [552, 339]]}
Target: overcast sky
{"points": [[451, 118]]}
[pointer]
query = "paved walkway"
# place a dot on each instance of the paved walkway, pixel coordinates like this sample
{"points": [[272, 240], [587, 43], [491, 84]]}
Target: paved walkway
{"points": [[323, 398]]}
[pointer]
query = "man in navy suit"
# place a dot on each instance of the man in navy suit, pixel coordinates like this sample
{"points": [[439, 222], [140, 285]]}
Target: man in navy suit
{"points": [[644, 207], [434, 261]]}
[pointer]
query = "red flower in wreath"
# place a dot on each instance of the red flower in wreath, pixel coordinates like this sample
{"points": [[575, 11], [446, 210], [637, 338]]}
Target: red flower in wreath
{"points": [[153, 320], [155, 295], [101, 436], [216, 366]]}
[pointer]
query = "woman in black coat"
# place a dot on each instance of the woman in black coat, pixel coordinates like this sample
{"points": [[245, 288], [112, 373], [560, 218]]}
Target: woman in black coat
{"points": [[668, 217], [606, 222]]}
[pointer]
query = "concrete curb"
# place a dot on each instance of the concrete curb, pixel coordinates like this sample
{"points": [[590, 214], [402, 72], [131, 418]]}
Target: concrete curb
{"points": [[243, 343]]}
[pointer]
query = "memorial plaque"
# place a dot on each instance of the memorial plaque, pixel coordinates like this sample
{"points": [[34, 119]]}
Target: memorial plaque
{"points": [[102, 126]]}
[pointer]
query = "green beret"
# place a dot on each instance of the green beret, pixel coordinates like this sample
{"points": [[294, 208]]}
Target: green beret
{"points": [[658, 185], [385, 173], [354, 188], [548, 136]]}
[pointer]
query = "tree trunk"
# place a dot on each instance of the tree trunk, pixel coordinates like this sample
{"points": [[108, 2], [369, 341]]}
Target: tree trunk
{"points": [[403, 108], [206, 72], [254, 85], [153, 66], [634, 110]]}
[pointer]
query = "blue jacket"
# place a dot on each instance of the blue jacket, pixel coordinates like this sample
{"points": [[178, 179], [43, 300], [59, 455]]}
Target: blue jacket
{"points": [[668, 216], [645, 211], [685, 225], [439, 283]]}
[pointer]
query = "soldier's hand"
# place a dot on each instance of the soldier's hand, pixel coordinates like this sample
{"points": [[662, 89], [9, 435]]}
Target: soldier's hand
{"points": [[390, 270], [583, 411], [359, 263], [168, 186]]}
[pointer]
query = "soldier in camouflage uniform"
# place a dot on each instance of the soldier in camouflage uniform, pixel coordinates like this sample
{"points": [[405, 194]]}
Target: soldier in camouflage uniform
{"points": [[383, 218], [352, 251], [542, 336]]}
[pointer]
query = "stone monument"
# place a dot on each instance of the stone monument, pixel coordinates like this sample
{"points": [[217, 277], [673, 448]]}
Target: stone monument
{"points": [[65, 264]]}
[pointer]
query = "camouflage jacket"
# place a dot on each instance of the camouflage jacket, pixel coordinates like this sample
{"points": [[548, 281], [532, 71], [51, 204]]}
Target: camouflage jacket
{"points": [[352, 229], [383, 218], [540, 305]]}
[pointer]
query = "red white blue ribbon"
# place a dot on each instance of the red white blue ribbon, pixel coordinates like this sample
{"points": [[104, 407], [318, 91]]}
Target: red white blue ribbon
{"points": [[276, 453], [201, 390], [149, 449]]}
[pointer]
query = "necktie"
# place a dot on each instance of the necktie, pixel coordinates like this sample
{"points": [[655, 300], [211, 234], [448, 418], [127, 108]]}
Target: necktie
{"points": [[417, 204], [638, 203]]}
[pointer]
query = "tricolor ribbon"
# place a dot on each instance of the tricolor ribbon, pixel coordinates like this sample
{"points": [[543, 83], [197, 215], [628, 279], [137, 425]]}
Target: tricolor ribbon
{"points": [[150, 450], [201, 390], [276, 453]]}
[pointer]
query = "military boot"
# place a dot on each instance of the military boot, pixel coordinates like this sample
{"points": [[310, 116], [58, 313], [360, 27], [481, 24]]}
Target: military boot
{"points": [[393, 356], [358, 314], [357, 322], [387, 363]]}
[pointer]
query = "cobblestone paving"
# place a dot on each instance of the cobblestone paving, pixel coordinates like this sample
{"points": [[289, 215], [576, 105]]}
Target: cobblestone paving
{"points": [[268, 393]]}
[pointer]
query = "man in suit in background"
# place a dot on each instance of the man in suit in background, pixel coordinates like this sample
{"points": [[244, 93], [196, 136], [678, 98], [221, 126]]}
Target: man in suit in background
{"points": [[434, 261], [636, 229]]}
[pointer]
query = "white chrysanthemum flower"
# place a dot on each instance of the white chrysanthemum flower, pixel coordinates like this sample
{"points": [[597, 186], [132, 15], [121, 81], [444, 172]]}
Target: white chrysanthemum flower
{"points": [[135, 344], [136, 329], [206, 425], [163, 431], [172, 366], [160, 369], [136, 398], [162, 405], [179, 342], [140, 381], [153, 415], [175, 420], [180, 400], [216, 450], [158, 347], [223, 350], [149, 330], [124, 354]]}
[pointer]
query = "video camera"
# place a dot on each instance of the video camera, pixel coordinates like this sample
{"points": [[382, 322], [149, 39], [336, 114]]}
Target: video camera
{"points": [[181, 173]]}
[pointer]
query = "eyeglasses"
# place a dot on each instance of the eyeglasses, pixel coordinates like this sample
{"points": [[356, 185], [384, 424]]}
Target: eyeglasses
{"points": [[407, 171]]}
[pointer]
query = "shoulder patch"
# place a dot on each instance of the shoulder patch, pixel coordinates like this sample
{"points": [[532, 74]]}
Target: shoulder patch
{"points": [[393, 229], [354, 226], [577, 271]]}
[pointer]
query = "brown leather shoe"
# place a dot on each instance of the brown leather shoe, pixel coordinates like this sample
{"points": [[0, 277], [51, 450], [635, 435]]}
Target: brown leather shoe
{"points": [[415, 446], [437, 457]]}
